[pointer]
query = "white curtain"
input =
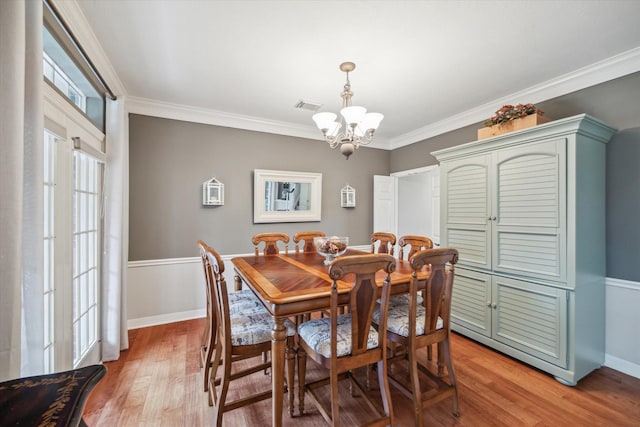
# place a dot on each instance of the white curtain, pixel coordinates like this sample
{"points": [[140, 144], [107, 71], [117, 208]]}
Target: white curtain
{"points": [[116, 232], [21, 189]]}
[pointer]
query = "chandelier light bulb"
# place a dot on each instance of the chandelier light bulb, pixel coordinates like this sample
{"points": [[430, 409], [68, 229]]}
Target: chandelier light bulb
{"points": [[324, 120], [353, 115], [371, 121]]}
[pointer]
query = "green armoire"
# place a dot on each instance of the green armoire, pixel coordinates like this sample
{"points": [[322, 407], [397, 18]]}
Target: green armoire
{"points": [[526, 211]]}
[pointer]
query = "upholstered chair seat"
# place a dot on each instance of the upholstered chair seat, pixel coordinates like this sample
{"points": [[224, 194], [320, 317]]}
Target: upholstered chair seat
{"points": [[254, 327], [244, 301], [398, 317], [317, 334]]}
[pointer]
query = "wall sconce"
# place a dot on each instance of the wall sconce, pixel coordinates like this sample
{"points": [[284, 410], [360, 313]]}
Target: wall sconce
{"points": [[348, 197], [212, 192]]}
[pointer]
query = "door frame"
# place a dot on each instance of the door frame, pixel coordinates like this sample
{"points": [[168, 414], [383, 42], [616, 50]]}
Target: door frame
{"points": [[396, 176], [401, 174]]}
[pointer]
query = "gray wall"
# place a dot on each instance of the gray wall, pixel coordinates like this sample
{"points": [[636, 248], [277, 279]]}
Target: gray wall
{"points": [[623, 205], [169, 160], [616, 103]]}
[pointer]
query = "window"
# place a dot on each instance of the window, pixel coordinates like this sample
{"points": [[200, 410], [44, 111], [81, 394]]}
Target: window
{"points": [[86, 240], [63, 83], [67, 70]]}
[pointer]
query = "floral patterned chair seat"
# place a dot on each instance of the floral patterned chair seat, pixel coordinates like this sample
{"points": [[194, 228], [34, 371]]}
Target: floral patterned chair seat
{"points": [[317, 334]]}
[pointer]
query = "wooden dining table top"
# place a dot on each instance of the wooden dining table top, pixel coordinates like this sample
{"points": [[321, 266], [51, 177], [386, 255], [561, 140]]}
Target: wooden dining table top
{"points": [[297, 283]]}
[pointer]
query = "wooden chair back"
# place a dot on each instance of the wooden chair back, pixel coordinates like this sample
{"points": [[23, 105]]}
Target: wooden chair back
{"points": [[220, 299], [437, 294], [363, 296], [270, 241], [306, 237], [415, 243], [384, 241], [207, 342]]}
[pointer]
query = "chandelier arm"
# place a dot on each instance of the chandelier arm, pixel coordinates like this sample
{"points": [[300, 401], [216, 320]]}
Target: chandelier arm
{"points": [[367, 138], [334, 141]]}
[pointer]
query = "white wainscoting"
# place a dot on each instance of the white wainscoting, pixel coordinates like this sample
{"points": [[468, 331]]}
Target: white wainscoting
{"points": [[170, 290], [622, 348]]}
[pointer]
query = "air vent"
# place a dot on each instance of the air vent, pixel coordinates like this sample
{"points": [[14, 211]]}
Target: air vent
{"points": [[305, 105]]}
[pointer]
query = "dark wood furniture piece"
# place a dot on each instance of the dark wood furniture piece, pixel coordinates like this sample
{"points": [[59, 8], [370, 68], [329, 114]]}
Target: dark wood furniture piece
{"points": [[242, 300], [306, 237], [416, 243], [294, 284], [344, 342], [55, 400], [415, 325], [384, 241], [270, 241], [241, 336]]}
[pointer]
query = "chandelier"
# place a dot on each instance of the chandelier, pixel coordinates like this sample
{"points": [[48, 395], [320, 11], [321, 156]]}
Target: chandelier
{"points": [[357, 125]]}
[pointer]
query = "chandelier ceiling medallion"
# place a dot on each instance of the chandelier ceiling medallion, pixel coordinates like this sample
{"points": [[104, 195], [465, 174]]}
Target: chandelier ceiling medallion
{"points": [[357, 125]]}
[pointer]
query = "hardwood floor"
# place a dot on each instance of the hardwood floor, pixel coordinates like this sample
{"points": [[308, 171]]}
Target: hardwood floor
{"points": [[158, 382]]}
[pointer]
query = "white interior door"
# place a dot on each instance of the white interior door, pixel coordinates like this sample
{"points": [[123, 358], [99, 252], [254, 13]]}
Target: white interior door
{"points": [[384, 204]]}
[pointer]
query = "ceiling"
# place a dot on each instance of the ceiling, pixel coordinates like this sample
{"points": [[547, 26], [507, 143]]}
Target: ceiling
{"points": [[426, 65]]}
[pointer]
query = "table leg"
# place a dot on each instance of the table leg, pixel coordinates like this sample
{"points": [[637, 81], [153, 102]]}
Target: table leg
{"points": [[278, 341]]}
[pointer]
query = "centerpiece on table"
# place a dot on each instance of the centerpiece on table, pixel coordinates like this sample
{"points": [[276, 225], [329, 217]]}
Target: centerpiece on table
{"points": [[331, 247], [510, 118]]}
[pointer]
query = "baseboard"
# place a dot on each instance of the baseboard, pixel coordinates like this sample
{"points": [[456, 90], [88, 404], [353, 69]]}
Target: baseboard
{"points": [[621, 365], [163, 319]]}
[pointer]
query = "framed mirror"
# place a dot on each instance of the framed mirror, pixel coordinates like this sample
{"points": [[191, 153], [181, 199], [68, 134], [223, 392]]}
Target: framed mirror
{"points": [[285, 196]]}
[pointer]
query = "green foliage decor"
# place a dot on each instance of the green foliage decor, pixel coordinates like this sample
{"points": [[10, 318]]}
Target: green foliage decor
{"points": [[511, 112]]}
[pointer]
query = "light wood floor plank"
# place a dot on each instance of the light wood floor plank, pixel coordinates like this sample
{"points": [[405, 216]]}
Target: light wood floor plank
{"points": [[158, 382]]}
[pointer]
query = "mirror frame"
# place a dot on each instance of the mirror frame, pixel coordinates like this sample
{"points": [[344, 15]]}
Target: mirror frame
{"points": [[261, 176]]}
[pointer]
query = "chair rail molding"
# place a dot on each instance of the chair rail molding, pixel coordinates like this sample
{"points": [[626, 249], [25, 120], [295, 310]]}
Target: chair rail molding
{"points": [[153, 285]]}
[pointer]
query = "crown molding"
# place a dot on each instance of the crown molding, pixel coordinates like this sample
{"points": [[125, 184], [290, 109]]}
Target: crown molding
{"points": [[611, 68], [167, 110], [616, 66]]}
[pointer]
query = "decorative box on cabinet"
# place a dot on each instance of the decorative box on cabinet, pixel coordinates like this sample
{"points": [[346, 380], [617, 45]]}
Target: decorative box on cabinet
{"points": [[526, 212]]}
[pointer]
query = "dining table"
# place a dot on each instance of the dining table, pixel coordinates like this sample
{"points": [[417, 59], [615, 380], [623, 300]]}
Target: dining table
{"points": [[292, 284]]}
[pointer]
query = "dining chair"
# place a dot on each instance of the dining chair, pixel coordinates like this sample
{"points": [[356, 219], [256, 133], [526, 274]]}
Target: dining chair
{"points": [[415, 326], [270, 241], [243, 300], [415, 243], [344, 342], [240, 336], [56, 399], [384, 241], [306, 237]]}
